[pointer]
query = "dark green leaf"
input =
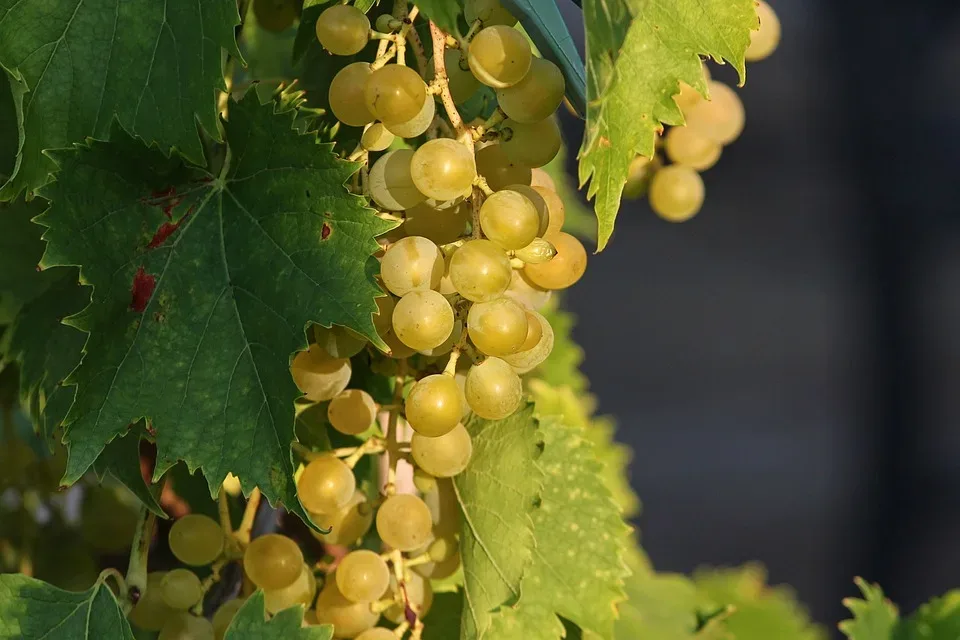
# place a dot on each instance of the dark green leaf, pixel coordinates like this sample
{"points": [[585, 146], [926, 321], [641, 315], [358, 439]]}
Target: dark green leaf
{"points": [[121, 459], [443, 621], [9, 132], [442, 12], [938, 619], [251, 623], [20, 251]]}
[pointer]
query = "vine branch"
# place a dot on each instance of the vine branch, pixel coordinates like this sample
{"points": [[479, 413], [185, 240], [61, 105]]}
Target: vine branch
{"points": [[136, 578], [440, 72]]}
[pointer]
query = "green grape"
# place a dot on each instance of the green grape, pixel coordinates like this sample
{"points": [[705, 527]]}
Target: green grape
{"points": [[383, 319], [180, 589], [339, 342], [196, 539], [489, 12], [343, 29], [224, 616], [444, 456], [377, 633], [676, 193], [498, 327], [404, 522], [151, 612], [319, 376], [638, 177], [566, 268], [441, 226], [480, 271], [443, 549], [537, 252], [524, 292], [447, 345], [444, 509], [108, 518], [540, 178], [363, 576], [533, 145], [509, 219], [530, 358], [391, 182], [434, 405], [272, 561], [539, 203], [349, 619], [499, 170], [184, 626], [463, 84], [300, 592], [376, 137], [347, 525], [397, 350], [765, 41], [439, 570], [346, 95], [443, 169], [534, 332], [687, 147], [721, 118], [352, 411], [423, 481], [411, 264], [419, 594], [537, 96], [499, 56], [395, 94], [423, 320], [326, 485], [493, 389], [276, 15], [418, 124], [556, 211]]}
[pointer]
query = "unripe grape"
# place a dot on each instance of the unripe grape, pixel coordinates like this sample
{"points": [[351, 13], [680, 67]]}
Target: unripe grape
{"points": [[676, 193], [319, 376], [441, 226], [533, 145], [524, 292], [499, 56], [509, 219], [151, 612], [531, 357], [423, 320], [480, 271], [498, 327], [721, 118], [300, 592], [272, 561], [434, 405], [225, 615], [377, 633], [493, 389], [343, 29], [339, 342], [391, 182], [275, 15], [352, 411], [180, 589], [376, 137], [444, 456], [419, 594], [443, 169], [489, 12], [537, 96], [418, 124], [196, 539], [395, 94], [566, 268], [499, 170], [184, 626], [346, 95], [326, 485], [687, 147], [347, 525], [349, 619], [363, 576], [404, 522], [765, 41], [537, 252], [540, 178], [463, 84], [411, 264]]}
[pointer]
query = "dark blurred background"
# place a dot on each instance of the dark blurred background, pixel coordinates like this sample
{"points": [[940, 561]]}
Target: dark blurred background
{"points": [[786, 366]]}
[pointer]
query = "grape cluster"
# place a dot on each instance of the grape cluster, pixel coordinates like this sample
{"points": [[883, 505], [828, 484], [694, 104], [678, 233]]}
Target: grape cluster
{"points": [[676, 191]]}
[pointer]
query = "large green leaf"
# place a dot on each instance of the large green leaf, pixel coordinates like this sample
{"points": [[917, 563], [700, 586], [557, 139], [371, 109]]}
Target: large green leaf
{"points": [[20, 251], [659, 605], [497, 495], [938, 619], [9, 131], [203, 288], [874, 617], [443, 621], [637, 53], [78, 64], [121, 459], [34, 610], [251, 623]]}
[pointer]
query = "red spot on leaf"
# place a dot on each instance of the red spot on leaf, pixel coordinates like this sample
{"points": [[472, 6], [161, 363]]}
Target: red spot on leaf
{"points": [[142, 290], [166, 230], [325, 231], [167, 199]]}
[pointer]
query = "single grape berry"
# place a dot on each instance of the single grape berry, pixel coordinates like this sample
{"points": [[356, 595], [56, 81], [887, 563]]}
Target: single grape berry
{"points": [[326, 485], [273, 561], [480, 271], [404, 522], [676, 193], [498, 327], [537, 96], [499, 56], [343, 29], [411, 264], [509, 219], [532, 145], [395, 93], [493, 389], [765, 41], [349, 618], [565, 269], [196, 539], [180, 589], [434, 405], [319, 375], [528, 359], [363, 576], [423, 320], [352, 411], [499, 170], [443, 169], [346, 95], [444, 456], [301, 591], [391, 182]]}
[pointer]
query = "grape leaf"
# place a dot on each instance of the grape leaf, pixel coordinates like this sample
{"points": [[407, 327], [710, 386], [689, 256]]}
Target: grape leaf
{"points": [[659, 605], [9, 132], [442, 12], [251, 623], [637, 52], [562, 366], [203, 288], [121, 459], [34, 610], [578, 568], [20, 251], [497, 495], [874, 617], [579, 219], [938, 619], [78, 65], [443, 621]]}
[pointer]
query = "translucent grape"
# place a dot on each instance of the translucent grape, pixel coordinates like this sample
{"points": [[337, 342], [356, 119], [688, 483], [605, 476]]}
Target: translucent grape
{"points": [[543, 212], [326, 485], [443, 169], [534, 332], [404, 522], [272, 561], [151, 612], [765, 41], [352, 411], [196, 539], [423, 481], [343, 29], [347, 525], [224, 616], [540, 178], [498, 327], [300, 592], [480, 271], [638, 175], [687, 147], [423, 320], [184, 626], [489, 12], [447, 345], [721, 118], [499, 170], [349, 619], [275, 15], [339, 342], [463, 84], [537, 96], [346, 95], [444, 509], [442, 549], [676, 193], [499, 56], [537, 252], [509, 219], [419, 594], [556, 211], [363, 576], [493, 389], [318, 375], [391, 183], [398, 350], [434, 405], [376, 137], [528, 359], [439, 570], [395, 94], [180, 589], [440, 226], [444, 456], [566, 268], [377, 633], [418, 124], [383, 319], [411, 264], [532, 145]]}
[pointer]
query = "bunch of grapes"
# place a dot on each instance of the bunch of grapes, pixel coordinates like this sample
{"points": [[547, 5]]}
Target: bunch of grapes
{"points": [[676, 191]]}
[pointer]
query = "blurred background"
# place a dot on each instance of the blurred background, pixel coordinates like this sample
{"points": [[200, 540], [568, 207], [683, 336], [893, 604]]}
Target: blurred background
{"points": [[786, 364]]}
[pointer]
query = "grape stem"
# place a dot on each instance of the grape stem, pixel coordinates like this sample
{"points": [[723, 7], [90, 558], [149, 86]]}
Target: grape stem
{"points": [[481, 183], [474, 28], [495, 119], [398, 44], [136, 578], [440, 73], [249, 515], [475, 201], [392, 445], [208, 582]]}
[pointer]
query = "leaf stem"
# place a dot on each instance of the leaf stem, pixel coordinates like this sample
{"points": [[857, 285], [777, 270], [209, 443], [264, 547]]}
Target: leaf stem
{"points": [[136, 579]]}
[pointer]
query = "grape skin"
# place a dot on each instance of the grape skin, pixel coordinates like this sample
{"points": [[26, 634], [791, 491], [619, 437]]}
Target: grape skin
{"points": [[319, 376], [418, 124], [533, 145], [349, 619], [151, 612], [184, 626], [347, 525], [272, 561], [377, 633], [527, 360], [376, 137], [537, 96], [498, 327], [525, 293], [499, 56], [539, 203], [499, 171], [342, 29], [300, 592], [391, 182], [443, 169], [463, 84], [489, 12], [441, 226], [352, 411], [180, 589], [346, 95], [687, 147], [326, 485], [493, 389], [480, 271], [434, 405], [556, 210], [411, 264], [224, 616], [509, 219], [565, 269], [423, 320], [196, 539], [676, 193], [765, 41], [395, 93], [363, 576], [444, 456], [339, 342], [721, 118], [404, 522]]}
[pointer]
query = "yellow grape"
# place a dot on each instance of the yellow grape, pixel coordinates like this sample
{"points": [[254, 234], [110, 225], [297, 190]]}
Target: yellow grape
{"points": [[183, 626], [411, 264], [346, 95], [537, 96], [493, 389], [418, 124], [391, 182], [151, 612], [347, 525], [224, 616], [557, 212], [301, 591], [499, 56], [326, 485], [524, 292], [395, 94], [319, 376], [376, 137], [423, 320], [272, 561], [363, 576], [339, 342], [443, 169], [397, 350], [434, 405], [532, 145], [463, 84], [352, 411], [404, 522], [687, 147], [349, 619], [676, 193], [423, 481], [383, 319], [343, 29], [537, 252], [444, 456], [196, 539], [489, 12], [480, 271], [539, 202], [377, 633], [441, 226], [540, 178], [180, 589], [566, 268], [765, 41], [447, 345], [498, 327], [721, 118], [509, 219], [534, 332], [637, 177], [499, 170], [528, 359]]}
